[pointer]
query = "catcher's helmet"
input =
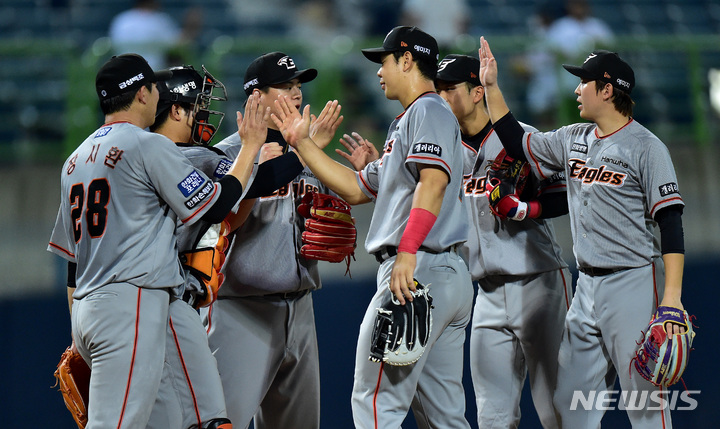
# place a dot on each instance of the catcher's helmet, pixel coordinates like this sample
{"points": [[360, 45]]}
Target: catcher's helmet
{"points": [[187, 86]]}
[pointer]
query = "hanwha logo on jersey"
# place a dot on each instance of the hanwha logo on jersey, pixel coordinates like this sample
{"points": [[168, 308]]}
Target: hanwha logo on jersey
{"points": [[287, 62], [589, 175]]}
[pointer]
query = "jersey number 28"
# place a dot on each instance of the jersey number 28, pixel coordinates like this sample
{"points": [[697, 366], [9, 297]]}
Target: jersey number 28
{"points": [[94, 207]]}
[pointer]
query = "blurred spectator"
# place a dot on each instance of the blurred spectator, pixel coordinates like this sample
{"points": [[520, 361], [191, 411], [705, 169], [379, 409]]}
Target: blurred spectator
{"points": [[570, 38], [154, 34], [444, 20]]}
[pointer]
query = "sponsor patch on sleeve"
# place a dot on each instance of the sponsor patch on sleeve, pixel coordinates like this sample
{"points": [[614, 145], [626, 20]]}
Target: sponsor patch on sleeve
{"points": [[222, 168], [430, 148], [668, 188], [204, 192], [191, 183]]}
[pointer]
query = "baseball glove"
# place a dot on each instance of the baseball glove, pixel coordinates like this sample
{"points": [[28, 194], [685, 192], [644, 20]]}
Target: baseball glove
{"points": [[505, 182], [330, 233], [661, 358], [73, 379], [205, 261], [401, 332]]}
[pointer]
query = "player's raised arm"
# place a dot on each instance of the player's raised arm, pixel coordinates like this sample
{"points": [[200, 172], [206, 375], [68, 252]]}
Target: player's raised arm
{"points": [[296, 131], [253, 132], [507, 128]]}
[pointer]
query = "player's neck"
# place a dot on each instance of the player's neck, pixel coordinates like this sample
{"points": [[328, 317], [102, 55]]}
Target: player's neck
{"points": [[610, 123], [130, 116], [416, 86]]}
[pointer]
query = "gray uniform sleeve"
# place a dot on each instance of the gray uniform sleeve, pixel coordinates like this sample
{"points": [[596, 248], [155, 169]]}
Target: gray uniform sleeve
{"points": [[368, 179], [188, 191], [545, 151], [658, 178]]}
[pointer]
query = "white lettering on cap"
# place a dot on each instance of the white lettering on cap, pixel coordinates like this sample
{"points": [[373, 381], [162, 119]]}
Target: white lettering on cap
{"points": [[137, 78], [250, 83], [624, 83], [591, 56], [422, 49]]}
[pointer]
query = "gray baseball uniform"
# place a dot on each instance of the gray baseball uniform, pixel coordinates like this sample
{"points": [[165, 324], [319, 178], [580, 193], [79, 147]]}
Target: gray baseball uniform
{"points": [[426, 133], [194, 391], [262, 327], [616, 184], [524, 291], [123, 190]]}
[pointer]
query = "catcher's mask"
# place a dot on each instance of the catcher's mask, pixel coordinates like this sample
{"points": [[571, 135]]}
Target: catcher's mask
{"points": [[187, 86]]}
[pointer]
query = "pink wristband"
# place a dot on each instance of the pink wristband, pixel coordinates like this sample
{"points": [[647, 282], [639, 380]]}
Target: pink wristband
{"points": [[418, 227]]}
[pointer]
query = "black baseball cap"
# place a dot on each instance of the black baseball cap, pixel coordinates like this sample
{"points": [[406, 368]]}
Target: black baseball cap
{"points": [[605, 66], [125, 73], [401, 39], [274, 68], [459, 68]]}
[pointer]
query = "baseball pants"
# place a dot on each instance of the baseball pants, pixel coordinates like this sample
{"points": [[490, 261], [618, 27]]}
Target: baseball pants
{"points": [[383, 394], [516, 330], [267, 355], [191, 392], [602, 330], [120, 331]]}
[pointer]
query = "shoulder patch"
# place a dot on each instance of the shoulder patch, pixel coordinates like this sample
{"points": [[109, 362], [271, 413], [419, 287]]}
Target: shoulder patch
{"points": [[102, 132], [430, 148], [191, 183], [668, 188], [222, 168]]}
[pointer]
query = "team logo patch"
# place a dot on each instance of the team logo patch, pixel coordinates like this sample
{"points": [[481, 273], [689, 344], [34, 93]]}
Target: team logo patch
{"points": [[430, 148], [191, 183], [200, 196], [668, 188], [579, 147], [102, 132], [222, 168]]}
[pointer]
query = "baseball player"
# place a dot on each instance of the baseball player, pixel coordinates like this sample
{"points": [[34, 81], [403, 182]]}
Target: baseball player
{"points": [[523, 282], [621, 183], [122, 192], [262, 327], [417, 226], [195, 392]]}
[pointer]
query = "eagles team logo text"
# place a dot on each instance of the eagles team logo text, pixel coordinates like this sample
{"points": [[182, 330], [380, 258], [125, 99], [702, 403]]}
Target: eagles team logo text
{"points": [[602, 176]]}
